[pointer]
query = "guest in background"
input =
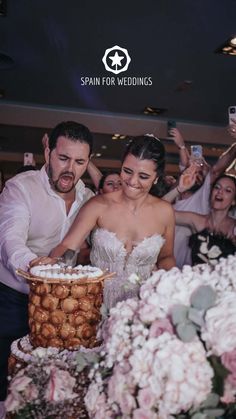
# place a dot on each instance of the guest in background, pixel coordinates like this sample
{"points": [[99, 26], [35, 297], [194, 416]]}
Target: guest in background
{"points": [[214, 234], [197, 199], [109, 182]]}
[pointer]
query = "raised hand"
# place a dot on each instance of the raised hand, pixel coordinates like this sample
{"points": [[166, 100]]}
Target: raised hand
{"points": [[187, 178], [177, 137]]}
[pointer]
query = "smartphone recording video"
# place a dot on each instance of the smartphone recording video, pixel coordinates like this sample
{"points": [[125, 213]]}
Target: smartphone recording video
{"points": [[196, 151], [196, 154], [170, 124], [232, 115], [29, 159]]}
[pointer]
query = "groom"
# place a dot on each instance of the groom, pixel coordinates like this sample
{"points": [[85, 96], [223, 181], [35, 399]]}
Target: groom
{"points": [[36, 210]]}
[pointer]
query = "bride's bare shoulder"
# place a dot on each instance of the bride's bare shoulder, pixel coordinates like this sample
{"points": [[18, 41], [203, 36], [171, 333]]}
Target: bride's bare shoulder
{"points": [[162, 205], [104, 199], [112, 197]]}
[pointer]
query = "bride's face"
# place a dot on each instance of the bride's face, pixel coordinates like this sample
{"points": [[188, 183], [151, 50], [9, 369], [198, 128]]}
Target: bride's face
{"points": [[137, 176]]}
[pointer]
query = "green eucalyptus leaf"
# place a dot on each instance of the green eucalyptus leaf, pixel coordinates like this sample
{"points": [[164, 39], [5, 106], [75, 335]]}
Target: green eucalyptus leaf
{"points": [[212, 400], [218, 367], [198, 416], [91, 357], [81, 362], [179, 313], [203, 297], [196, 316], [213, 413], [220, 373], [186, 331]]}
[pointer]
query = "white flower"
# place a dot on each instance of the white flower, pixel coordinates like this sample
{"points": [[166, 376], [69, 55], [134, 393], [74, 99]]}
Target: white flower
{"points": [[214, 252], [134, 279], [150, 373], [92, 396], [219, 330]]}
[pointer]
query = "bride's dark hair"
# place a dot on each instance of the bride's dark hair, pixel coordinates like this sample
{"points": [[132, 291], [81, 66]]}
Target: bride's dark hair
{"points": [[147, 147]]}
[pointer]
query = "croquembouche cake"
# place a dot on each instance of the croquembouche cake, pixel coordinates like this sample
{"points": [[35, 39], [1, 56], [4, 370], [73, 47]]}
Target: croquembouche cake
{"points": [[64, 309]]}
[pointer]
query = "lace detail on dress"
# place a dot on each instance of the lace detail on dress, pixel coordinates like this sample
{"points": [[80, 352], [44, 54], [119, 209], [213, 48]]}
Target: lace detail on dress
{"points": [[108, 252]]}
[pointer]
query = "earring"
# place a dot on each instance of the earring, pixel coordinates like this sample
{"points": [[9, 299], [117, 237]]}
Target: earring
{"points": [[155, 181]]}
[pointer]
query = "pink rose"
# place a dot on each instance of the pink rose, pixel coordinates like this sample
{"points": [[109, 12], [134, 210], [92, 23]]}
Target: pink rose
{"points": [[229, 361], [143, 414], [117, 385], [13, 401], [20, 382], [92, 397], [31, 392], [56, 389], [147, 313], [160, 326], [127, 403], [229, 393], [146, 398], [102, 410]]}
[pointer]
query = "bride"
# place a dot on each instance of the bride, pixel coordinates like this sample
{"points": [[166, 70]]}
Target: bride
{"points": [[133, 231]]}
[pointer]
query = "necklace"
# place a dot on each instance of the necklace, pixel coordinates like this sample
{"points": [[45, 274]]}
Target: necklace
{"points": [[136, 210]]}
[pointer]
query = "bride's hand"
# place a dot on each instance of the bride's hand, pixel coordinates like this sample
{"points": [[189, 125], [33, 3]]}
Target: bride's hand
{"points": [[43, 260]]}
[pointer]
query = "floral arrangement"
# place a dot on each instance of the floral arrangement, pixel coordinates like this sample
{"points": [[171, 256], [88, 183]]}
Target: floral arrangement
{"points": [[172, 352], [52, 385]]}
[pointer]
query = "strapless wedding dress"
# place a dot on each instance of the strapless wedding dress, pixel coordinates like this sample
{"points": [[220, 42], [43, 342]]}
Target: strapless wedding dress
{"points": [[108, 252]]}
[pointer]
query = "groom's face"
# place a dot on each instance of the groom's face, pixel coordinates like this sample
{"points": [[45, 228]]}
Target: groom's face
{"points": [[66, 163]]}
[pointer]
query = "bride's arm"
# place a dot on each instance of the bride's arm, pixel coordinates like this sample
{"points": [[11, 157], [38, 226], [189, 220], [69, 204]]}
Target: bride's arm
{"points": [[166, 259], [84, 222]]}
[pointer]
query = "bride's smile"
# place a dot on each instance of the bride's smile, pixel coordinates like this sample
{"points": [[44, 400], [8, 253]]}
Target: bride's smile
{"points": [[137, 175]]}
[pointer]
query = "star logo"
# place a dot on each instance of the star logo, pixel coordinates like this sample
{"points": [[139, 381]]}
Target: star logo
{"points": [[116, 59], [120, 54]]}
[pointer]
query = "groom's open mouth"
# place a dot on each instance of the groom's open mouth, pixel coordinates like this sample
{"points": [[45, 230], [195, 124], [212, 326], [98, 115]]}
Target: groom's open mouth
{"points": [[66, 179]]}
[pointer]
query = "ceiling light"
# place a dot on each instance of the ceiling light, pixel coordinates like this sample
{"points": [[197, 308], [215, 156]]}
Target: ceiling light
{"points": [[118, 137], [150, 110], [98, 155], [229, 47], [233, 41]]}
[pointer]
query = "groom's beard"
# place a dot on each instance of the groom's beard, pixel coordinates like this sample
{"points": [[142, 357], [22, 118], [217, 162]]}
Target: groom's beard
{"points": [[64, 183]]}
